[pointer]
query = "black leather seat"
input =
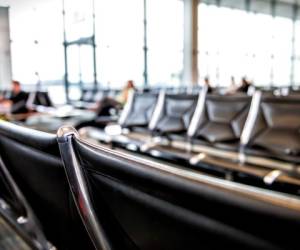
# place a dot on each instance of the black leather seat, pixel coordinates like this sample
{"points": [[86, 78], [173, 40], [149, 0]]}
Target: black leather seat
{"points": [[130, 203], [276, 132], [170, 122], [175, 115], [39, 98], [42, 98], [221, 122], [32, 157], [139, 112], [135, 117]]}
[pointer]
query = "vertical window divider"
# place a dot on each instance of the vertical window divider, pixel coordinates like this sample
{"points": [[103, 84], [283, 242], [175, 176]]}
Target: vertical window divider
{"points": [[145, 46], [293, 56]]}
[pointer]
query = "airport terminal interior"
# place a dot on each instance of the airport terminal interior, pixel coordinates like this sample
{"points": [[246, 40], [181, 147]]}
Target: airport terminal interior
{"points": [[149, 124]]}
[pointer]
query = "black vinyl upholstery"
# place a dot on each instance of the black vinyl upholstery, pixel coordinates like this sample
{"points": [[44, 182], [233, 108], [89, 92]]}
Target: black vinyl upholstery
{"points": [[33, 159], [222, 120], [141, 110], [176, 114], [276, 130], [143, 207], [42, 98]]}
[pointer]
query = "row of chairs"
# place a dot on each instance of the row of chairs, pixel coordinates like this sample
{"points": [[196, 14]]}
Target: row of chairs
{"points": [[32, 102], [128, 202], [92, 95], [258, 132]]}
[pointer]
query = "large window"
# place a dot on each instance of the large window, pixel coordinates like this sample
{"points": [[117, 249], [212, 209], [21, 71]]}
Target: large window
{"points": [[5, 62], [236, 38], [296, 68], [209, 42], [165, 41], [36, 34], [119, 38], [282, 47], [256, 43]]}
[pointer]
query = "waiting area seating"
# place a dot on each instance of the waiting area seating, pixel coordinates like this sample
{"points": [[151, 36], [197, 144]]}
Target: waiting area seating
{"points": [[233, 135], [146, 205], [33, 160], [275, 131], [126, 200], [175, 171]]}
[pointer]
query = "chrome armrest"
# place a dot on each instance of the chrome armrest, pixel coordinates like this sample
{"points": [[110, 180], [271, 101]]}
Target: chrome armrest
{"points": [[153, 142], [197, 158], [272, 176]]}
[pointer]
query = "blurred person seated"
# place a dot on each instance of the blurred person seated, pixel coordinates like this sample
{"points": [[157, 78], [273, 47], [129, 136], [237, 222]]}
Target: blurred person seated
{"points": [[245, 85], [208, 84], [233, 88], [123, 96], [108, 103], [16, 103]]}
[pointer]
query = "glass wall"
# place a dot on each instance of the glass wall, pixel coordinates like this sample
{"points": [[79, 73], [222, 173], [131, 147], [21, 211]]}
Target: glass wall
{"points": [[36, 41], [119, 39], [259, 40], [5, 58], [255, 41], [296, 65], [78, 33], [165, 41]]}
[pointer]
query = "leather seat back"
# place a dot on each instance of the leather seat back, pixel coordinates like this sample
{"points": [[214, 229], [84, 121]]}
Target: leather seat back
{"points": [[222, 119], [276, 129], [140, 111], [145, 205], [33, 159], [42, 98], [175, 114]]}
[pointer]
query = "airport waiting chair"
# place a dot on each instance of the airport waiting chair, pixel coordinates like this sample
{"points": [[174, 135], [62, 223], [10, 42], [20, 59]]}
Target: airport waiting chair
{"points": [[17, 213], [33, 160], [213, 133], [39, 99], [127, 202], [138, 111], [148, 117], [215, 127], [173, 116], [132, 125], [257, 138], [273, 132], [43, 99], [219, 121], [171, 119]]}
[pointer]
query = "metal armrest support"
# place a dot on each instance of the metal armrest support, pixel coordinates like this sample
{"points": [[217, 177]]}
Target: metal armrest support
{"points": [[197, 158], [79, 189], [153, 142], [272, 176], [27, 220]]}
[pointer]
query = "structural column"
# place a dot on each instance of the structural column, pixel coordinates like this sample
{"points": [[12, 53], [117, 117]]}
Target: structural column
{"points": [[190, 51], [5, 55]]}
